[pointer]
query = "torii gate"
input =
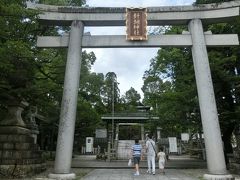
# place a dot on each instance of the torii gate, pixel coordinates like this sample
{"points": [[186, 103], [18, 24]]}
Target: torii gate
{"points": [[194, 16]]}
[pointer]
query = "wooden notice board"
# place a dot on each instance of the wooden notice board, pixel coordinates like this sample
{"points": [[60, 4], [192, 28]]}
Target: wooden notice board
{"points": [[136, 23]]}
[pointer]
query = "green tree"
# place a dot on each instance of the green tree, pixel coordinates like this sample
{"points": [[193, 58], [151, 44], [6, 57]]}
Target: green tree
{"points": [[132, 97], [111, 91], [130, 100], [179, 104], [63, 2], [37, 75], [169, 88], [17, 38]]}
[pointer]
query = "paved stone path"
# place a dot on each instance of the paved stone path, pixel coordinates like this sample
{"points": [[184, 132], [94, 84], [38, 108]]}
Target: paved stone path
{"points": [[178, 168], [175, 162], [127, 174]]}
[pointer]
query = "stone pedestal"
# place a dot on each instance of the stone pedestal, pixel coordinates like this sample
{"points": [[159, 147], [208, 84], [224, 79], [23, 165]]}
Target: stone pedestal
{"points": [[218, 177], [68, 176], [19, 156]]}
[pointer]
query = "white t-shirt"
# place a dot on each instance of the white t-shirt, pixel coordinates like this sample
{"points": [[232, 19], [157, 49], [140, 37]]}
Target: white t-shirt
{"points": [[161, 156], [150, 147]]}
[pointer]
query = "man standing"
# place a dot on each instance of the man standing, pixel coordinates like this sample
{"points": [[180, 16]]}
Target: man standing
{"points": [[137, 156], [151, 153]]}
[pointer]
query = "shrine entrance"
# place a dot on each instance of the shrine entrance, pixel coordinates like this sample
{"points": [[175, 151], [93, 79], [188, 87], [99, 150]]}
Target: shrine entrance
{"points": [[128, 126], [130, 131], [195, 38]]}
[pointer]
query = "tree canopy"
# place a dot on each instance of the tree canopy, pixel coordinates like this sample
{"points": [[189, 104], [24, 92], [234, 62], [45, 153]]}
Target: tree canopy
{"points": [[170, 87]]}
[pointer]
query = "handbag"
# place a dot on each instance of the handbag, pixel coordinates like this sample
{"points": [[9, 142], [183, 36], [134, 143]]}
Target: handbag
{"points": [[153, 148], [130, 162]]}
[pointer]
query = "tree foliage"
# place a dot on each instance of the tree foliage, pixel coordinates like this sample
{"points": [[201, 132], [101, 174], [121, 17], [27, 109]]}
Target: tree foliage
{"points": [[132, 97], [17, 38], [169, 88], [37, 75], [169, 85]]}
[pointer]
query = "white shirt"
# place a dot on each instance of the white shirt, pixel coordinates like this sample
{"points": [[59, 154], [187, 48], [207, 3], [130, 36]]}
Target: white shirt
{"points": [[150, 147], [161, 156]]}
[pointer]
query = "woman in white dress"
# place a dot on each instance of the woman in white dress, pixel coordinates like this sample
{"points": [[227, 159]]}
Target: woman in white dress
{"points": [[161, 160]]}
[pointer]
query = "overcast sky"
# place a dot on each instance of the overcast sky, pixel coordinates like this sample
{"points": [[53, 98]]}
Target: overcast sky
{"points": [[129, 64]]}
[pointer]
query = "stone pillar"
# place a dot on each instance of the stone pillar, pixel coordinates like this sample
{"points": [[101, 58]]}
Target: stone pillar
{"points": [[116, 140], [159, 133], [63, 159], [109, 152], [212, 135], [142, 132], [117, 132]]}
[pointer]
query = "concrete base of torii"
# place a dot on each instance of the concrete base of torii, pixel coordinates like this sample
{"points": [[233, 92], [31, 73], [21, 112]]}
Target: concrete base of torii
{"points": [[218, 177], [69, 176]]}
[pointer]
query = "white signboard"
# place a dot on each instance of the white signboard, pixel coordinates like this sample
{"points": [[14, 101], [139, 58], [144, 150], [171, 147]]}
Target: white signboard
{"points": [[101, 133], [172, 144], [185, 137], [89, 144]]}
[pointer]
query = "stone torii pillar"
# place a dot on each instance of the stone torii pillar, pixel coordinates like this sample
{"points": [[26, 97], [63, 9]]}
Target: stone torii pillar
{"points": [[63, 160], [212, 135]]}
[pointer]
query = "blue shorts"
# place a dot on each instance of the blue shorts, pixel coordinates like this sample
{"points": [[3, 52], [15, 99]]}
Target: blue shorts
{"points": [[136, 159]]}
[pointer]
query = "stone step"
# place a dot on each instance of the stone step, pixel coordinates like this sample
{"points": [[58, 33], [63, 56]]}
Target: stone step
{"points": [[18, 146], [24, 154], [16, 138]]}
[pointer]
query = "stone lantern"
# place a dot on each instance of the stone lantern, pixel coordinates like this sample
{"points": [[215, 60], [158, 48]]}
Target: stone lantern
{"points": [[19, 155]]}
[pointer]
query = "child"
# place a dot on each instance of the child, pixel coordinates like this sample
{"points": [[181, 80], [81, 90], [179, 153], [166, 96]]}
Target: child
{"points": [[137, 155], [161, 160]]}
